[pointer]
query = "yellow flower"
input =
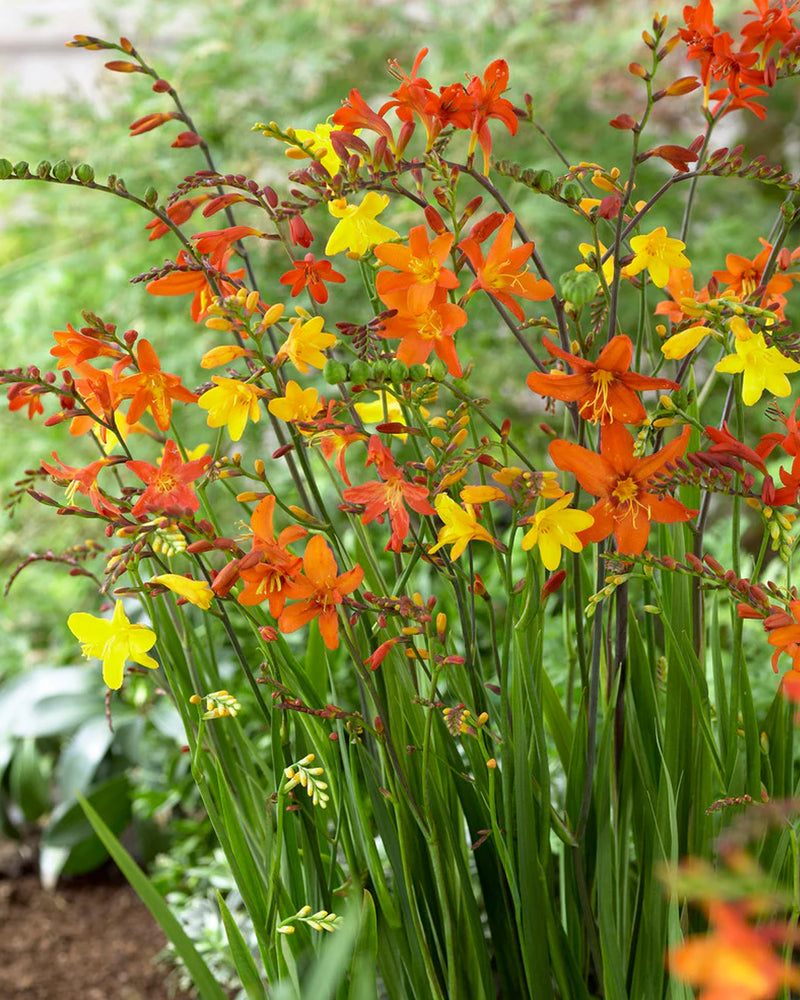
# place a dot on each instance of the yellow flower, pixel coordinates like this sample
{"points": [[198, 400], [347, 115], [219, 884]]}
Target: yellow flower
{"points": [[380, 410], [460, 526], [481, 494], [357, 229], [195, 591], [297, 404], [113, 642], [658, 253], [306, 342], [608, 265], [764, 368], [230, 403], [319, 145], [555, 528], [680, 344]]}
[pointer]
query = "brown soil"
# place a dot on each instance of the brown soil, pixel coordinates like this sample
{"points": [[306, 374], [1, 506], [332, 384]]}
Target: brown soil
{"points": [[90, 939]]}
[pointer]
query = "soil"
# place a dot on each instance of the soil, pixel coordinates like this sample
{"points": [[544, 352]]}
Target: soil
{"points": [[90, 939]]}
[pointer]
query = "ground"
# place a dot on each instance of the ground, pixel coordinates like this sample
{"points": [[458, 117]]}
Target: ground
{"points": [[90, 939]]}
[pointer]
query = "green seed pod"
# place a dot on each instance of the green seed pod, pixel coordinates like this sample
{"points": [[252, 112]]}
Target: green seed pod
{"points": [[150, 196], [380, 371], [417, 373], [438, 369], [85, 173], [398, 371], [360, 372], [543, 180], [62, 171], [6, 169], [21, 169], [571, 192], [334, 372], [578, 287], [43, 169]]}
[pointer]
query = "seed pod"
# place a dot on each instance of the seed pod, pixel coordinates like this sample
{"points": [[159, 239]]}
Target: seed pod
{"points": [[380, 370], [417, 373], [43, 169], [334, 372], [85, 173], [150, 196], [360, 371], [6, 169], [438, 369], [62, 171], [543, 180], [571, 192], [21, 169], [398, 371]]}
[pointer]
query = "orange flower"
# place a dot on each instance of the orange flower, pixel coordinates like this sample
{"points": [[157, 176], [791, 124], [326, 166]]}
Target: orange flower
{"points": [[391, 494], [605, 390], [426, 331], [735, 960], [784, 635], [168, 486], [152, 389], [421, 266], [743, 276], [319, 591], [265, 579], [84, 480], [74, 349], [189, 280], [504, 272], [627, 504]]}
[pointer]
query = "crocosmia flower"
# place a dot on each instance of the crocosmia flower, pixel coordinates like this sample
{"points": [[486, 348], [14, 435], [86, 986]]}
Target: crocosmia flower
{"points": [[556, 527], [231, 402], [113, 642], [658, 253], [357, 230]]}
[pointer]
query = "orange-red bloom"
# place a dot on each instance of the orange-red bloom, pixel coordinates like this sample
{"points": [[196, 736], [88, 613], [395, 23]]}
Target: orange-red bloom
{"points": [[168, 486], [390, 494], [312, 274], [319, 592], [74, 349], [504, 271], [264, 579], [627, 503], [488, 104], [605, 390], [153, 389], [84, 480], [193, 281]]}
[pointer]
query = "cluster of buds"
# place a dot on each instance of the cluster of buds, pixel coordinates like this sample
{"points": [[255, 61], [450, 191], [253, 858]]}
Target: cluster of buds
{"points": [[303, 774], [321, 920], [219, 704]]}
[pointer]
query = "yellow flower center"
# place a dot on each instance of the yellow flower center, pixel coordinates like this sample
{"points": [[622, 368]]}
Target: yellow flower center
{"points": [[626, 490], [597, 407], [424, 269]]}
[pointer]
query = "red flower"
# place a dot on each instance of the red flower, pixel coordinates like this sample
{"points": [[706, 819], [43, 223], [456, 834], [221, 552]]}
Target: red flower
{"points": [[194, 281], [319, 592], [168, 486], [504, 272], [355, 113], [488, 104], [311, 274], [605, 390], [627, 505], [390, 495]]}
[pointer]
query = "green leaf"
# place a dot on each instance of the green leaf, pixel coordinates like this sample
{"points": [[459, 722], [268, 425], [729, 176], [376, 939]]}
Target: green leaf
{"points": [[29, 780], [245, 965], [207, 986]]}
